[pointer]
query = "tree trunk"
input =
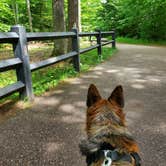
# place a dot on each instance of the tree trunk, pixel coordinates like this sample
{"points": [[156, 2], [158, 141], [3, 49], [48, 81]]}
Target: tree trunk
{"points": [[79, 16], [29, 15], [58, 26], [74, 14], [73, 17]]}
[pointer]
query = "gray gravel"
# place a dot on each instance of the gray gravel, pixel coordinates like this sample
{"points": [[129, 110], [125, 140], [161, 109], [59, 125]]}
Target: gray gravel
{"points": [[48, 134]]}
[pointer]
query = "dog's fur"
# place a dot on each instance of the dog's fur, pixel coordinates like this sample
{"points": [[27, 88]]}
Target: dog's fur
{"points": [[106, 125]]}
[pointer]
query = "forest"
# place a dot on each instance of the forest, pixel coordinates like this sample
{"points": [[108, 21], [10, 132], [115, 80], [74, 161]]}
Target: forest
{"points": [[137, 19]]}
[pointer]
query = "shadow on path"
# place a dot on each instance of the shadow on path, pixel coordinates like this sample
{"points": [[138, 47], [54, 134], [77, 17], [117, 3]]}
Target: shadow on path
{"points": [[49, 133]]}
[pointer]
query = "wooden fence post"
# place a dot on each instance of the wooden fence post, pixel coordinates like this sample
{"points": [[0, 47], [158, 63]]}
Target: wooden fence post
{"points": [[23, 71], [113, 40], [99, 48], [75, 47]]}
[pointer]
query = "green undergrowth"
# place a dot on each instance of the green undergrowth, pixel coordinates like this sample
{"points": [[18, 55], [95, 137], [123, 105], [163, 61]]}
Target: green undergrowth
{"points": [[140, 41], [47, 78]]}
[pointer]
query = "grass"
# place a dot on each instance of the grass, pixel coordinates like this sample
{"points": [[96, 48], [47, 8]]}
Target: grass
{"points": [[140, 41], [47, 78]]}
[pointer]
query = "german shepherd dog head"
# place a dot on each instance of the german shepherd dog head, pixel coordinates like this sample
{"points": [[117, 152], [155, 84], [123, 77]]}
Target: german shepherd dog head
{"points": [[108, 142]]}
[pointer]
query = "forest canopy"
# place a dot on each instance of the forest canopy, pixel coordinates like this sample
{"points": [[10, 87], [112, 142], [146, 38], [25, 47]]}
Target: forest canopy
{"points": [[130, 18]]}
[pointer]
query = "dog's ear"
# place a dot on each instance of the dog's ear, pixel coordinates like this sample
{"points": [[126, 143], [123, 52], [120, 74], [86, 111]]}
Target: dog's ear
{"points": [[93, 95], [117, 96]]}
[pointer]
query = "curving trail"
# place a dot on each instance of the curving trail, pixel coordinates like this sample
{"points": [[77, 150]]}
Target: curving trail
{"points": [[48, 134]]}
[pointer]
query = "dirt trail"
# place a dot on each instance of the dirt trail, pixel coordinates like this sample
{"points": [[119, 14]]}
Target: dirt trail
{"points": [[48, 134]]}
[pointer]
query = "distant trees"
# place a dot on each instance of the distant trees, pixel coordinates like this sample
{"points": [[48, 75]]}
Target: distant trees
{"points": [[16, 12], [134, 18], [89, 10], [107, 15], [6, 15], [131, 18]]}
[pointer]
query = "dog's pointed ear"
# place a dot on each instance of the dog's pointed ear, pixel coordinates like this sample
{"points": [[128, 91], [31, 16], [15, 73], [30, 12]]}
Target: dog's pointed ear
{"points": [[93, 95], [117, 96]]}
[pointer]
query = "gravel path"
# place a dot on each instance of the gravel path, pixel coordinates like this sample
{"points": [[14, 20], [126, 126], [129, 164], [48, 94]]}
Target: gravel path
{"points": [[48, 134]]}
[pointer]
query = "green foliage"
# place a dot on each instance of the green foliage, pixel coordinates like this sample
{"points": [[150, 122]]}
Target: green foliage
{"points": [[140, 41], [135, 18], [107, 16], [15, 12], [153, 22], [42, 15], [89, 9], [47, 78], [131, 18], [91, 58], [6, 15]]}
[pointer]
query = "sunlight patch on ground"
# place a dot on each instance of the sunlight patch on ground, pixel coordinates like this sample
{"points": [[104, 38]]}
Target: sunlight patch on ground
{"points": [[131, 117], [84, 87], [90, 76], [98, 68], [74, 93], [72, 113], [47, 101], [162, 127], [113, 71], [133, 110], [80, 104], [137, 86], [151, 78], [139, 80], [76, 81], [51, 148], [72, 119], [138, 55], [68, 108], [98, 73], [135, 78], [59, 91], [157, 128]]}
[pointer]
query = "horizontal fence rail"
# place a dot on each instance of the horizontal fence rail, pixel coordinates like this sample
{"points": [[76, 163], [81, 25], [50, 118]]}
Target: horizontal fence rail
{"points": [[48, 35], [83, 34], [8, 37], [51, 61], [88, 49], [9, 64], [18, 86], [107, 42], [19, 39], [108, 33]]}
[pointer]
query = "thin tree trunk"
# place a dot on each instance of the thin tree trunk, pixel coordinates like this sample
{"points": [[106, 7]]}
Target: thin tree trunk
{"points": [[79, 16], [29, 15], [59, 26], [17, 14], [15, 11]]}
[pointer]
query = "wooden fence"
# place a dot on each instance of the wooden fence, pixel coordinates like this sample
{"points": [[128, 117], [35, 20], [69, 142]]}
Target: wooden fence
{"points": [[19, 39]]}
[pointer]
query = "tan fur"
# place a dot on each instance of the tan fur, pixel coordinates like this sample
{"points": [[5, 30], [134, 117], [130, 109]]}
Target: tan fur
{"points": [[106, 123]]}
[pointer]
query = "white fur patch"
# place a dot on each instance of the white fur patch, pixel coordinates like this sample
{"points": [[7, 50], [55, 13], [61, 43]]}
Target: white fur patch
{"points": [[107, 161]]}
